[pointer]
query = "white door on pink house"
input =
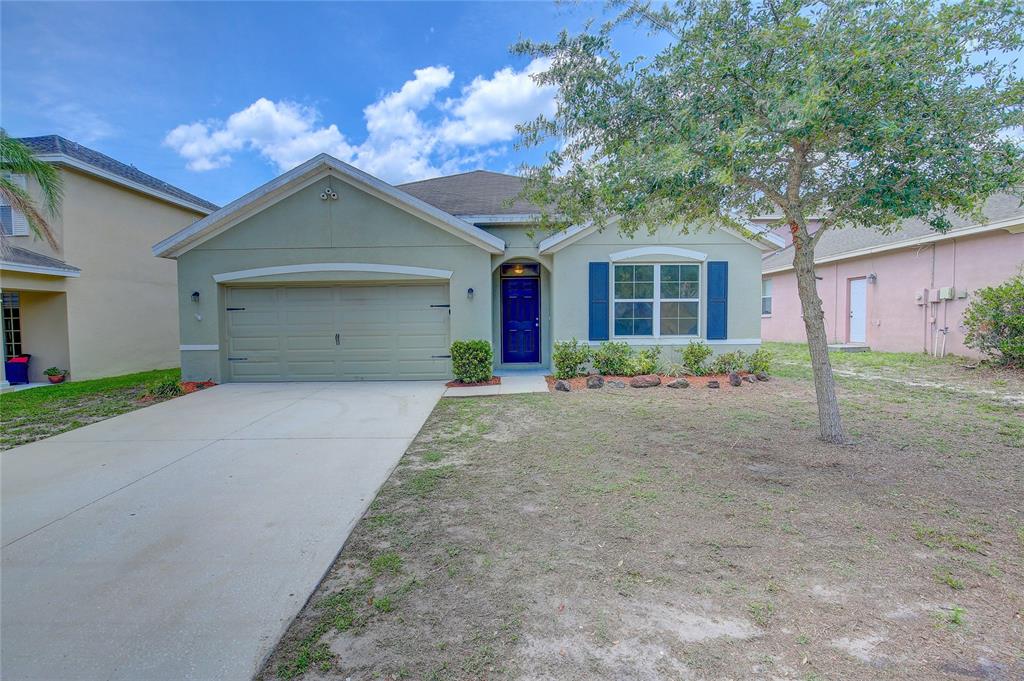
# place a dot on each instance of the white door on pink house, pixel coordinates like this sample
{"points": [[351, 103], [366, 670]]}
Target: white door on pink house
{"points": [[858, 310]]}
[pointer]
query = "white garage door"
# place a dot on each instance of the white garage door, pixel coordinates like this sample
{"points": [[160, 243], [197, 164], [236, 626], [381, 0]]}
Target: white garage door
{"points": [[332, 333]]}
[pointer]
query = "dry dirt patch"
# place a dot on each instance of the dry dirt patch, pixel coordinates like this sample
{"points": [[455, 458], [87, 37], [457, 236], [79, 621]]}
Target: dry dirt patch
{"points": [[691, 534]]}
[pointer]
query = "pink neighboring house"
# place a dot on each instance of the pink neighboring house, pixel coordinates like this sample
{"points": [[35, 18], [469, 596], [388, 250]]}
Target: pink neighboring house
{"points": [[899, 292]]}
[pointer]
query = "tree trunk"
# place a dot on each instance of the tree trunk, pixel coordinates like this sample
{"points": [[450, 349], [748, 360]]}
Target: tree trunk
{"points": [[829, 419]]}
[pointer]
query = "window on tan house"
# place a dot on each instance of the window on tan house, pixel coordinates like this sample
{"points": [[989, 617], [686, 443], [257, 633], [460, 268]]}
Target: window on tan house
{"points": [[13, 222], [12, 324]]}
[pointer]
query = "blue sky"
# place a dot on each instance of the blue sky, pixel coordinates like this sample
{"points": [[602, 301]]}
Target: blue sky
{"points": [[220, 97]]}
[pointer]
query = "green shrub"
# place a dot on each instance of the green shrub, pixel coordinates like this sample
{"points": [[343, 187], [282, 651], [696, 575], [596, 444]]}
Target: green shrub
{"points": [[644, 362], [995, 322], [760, 361], [472, 360], [729, 361], [570, 358], [168, 387], [612, 358], [695, 357]]}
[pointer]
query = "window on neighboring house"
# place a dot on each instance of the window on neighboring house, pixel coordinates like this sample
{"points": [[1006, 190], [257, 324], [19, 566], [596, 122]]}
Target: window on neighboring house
{"points": [[13, 222], [657, 300], [12, 324], [766, 297]]}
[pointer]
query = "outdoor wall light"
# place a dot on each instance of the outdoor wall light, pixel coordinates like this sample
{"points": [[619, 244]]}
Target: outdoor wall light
{"points": [[872, 278], [195, 297], [518, 268], [469, 293]]}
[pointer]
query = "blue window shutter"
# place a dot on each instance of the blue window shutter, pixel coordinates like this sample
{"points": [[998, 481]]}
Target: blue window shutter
{"points": [[598, 301], [718, 300]]}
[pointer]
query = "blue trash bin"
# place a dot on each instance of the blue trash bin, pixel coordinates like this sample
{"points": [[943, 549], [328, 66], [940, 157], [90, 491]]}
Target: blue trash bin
{"points": [[16, 372]]}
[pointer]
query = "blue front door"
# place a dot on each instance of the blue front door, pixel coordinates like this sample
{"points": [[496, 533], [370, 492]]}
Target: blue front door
{"points": [[520, 320]]}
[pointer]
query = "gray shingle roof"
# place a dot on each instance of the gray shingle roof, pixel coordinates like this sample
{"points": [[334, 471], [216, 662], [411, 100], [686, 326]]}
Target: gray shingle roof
{"points": [[13, 255], [55, 144], [479, 192], [835, 243]]}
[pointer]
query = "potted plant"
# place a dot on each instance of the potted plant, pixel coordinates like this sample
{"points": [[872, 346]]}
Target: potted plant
{"points": [[56, 375]]}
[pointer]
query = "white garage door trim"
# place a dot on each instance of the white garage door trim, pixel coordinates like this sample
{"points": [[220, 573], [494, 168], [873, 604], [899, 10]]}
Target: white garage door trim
{"points": [[337, 332], [332, 267]]}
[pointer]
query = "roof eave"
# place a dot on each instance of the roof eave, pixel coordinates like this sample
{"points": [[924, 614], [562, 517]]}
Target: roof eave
{"points": [[499, 219], [78, 164], [39, 269], [1014, 225], [194, 234]]}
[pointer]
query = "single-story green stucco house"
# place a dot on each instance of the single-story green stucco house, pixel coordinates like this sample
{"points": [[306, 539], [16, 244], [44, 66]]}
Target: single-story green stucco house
{"points": [[328, 273]]}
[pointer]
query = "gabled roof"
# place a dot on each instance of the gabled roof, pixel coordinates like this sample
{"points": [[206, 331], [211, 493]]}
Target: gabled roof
{"points": [[317, 167], [1002, 211], [15, 259], [476, 194], [57, 149]]}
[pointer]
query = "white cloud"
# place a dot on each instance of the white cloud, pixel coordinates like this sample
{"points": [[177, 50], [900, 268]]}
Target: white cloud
{"points": [[489, 109], [399, 145]]}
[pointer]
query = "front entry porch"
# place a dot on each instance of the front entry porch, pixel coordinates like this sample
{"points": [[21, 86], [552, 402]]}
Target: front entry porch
{"points": [[521, 338]]}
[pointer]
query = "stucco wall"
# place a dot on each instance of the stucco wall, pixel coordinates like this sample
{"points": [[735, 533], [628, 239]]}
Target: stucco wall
{"points": [[121, 314], [895, 320], [570, 283], [122, 310], [303, 229], [44, 324]]}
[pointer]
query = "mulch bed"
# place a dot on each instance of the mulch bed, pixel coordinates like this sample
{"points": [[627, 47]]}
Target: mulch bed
{"points": [[193, 386], [695, 381], [495, 380]]}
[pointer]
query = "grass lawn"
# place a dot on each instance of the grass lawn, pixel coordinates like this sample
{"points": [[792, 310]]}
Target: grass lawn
{"points": [[29, 415], [688, 534]]}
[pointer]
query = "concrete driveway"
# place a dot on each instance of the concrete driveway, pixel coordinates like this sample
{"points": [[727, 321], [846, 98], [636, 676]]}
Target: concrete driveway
{"points": [[178, 541]]}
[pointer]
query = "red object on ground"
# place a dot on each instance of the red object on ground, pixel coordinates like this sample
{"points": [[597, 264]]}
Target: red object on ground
{"points": [[193, 386], [495, 380]]}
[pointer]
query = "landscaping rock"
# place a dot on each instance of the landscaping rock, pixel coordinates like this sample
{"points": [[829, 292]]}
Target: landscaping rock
{"points": [[712, 383], [648, 381], [734, 379], [749, 379], [615, 384], [762, 376], [563, 386], [595, 381], [679, 383]]}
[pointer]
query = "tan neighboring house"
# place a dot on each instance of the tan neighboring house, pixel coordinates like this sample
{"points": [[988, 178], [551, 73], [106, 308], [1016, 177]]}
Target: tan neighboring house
{"points": [[99, 304]]}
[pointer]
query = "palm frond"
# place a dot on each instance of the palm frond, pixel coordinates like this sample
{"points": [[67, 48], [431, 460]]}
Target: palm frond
{"points": [[18, 199], [16, 158]]}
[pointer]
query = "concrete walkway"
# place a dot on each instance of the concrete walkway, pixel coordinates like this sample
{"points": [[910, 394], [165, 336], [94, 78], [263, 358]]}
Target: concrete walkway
{"points": [[512, 383], [178, 541]]}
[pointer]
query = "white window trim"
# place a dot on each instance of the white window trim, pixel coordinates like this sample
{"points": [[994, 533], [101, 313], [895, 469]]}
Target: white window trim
{"points": [[763, 296], [656, 302]]}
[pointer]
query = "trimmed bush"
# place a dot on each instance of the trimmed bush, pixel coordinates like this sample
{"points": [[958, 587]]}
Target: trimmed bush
{"points": [[995, 322], [472, 360], [645, 361], [760, 361], [612, 358], [570, 358], [695, 357], [729, 361]]}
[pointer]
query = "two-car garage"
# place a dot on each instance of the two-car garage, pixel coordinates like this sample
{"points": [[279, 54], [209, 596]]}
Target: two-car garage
{"points": [[328, 274], [338, 332]]}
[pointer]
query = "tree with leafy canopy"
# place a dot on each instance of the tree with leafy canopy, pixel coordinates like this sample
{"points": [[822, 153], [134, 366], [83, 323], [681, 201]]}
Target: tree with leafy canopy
{"points": [[17, 159], [831, 114]]}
